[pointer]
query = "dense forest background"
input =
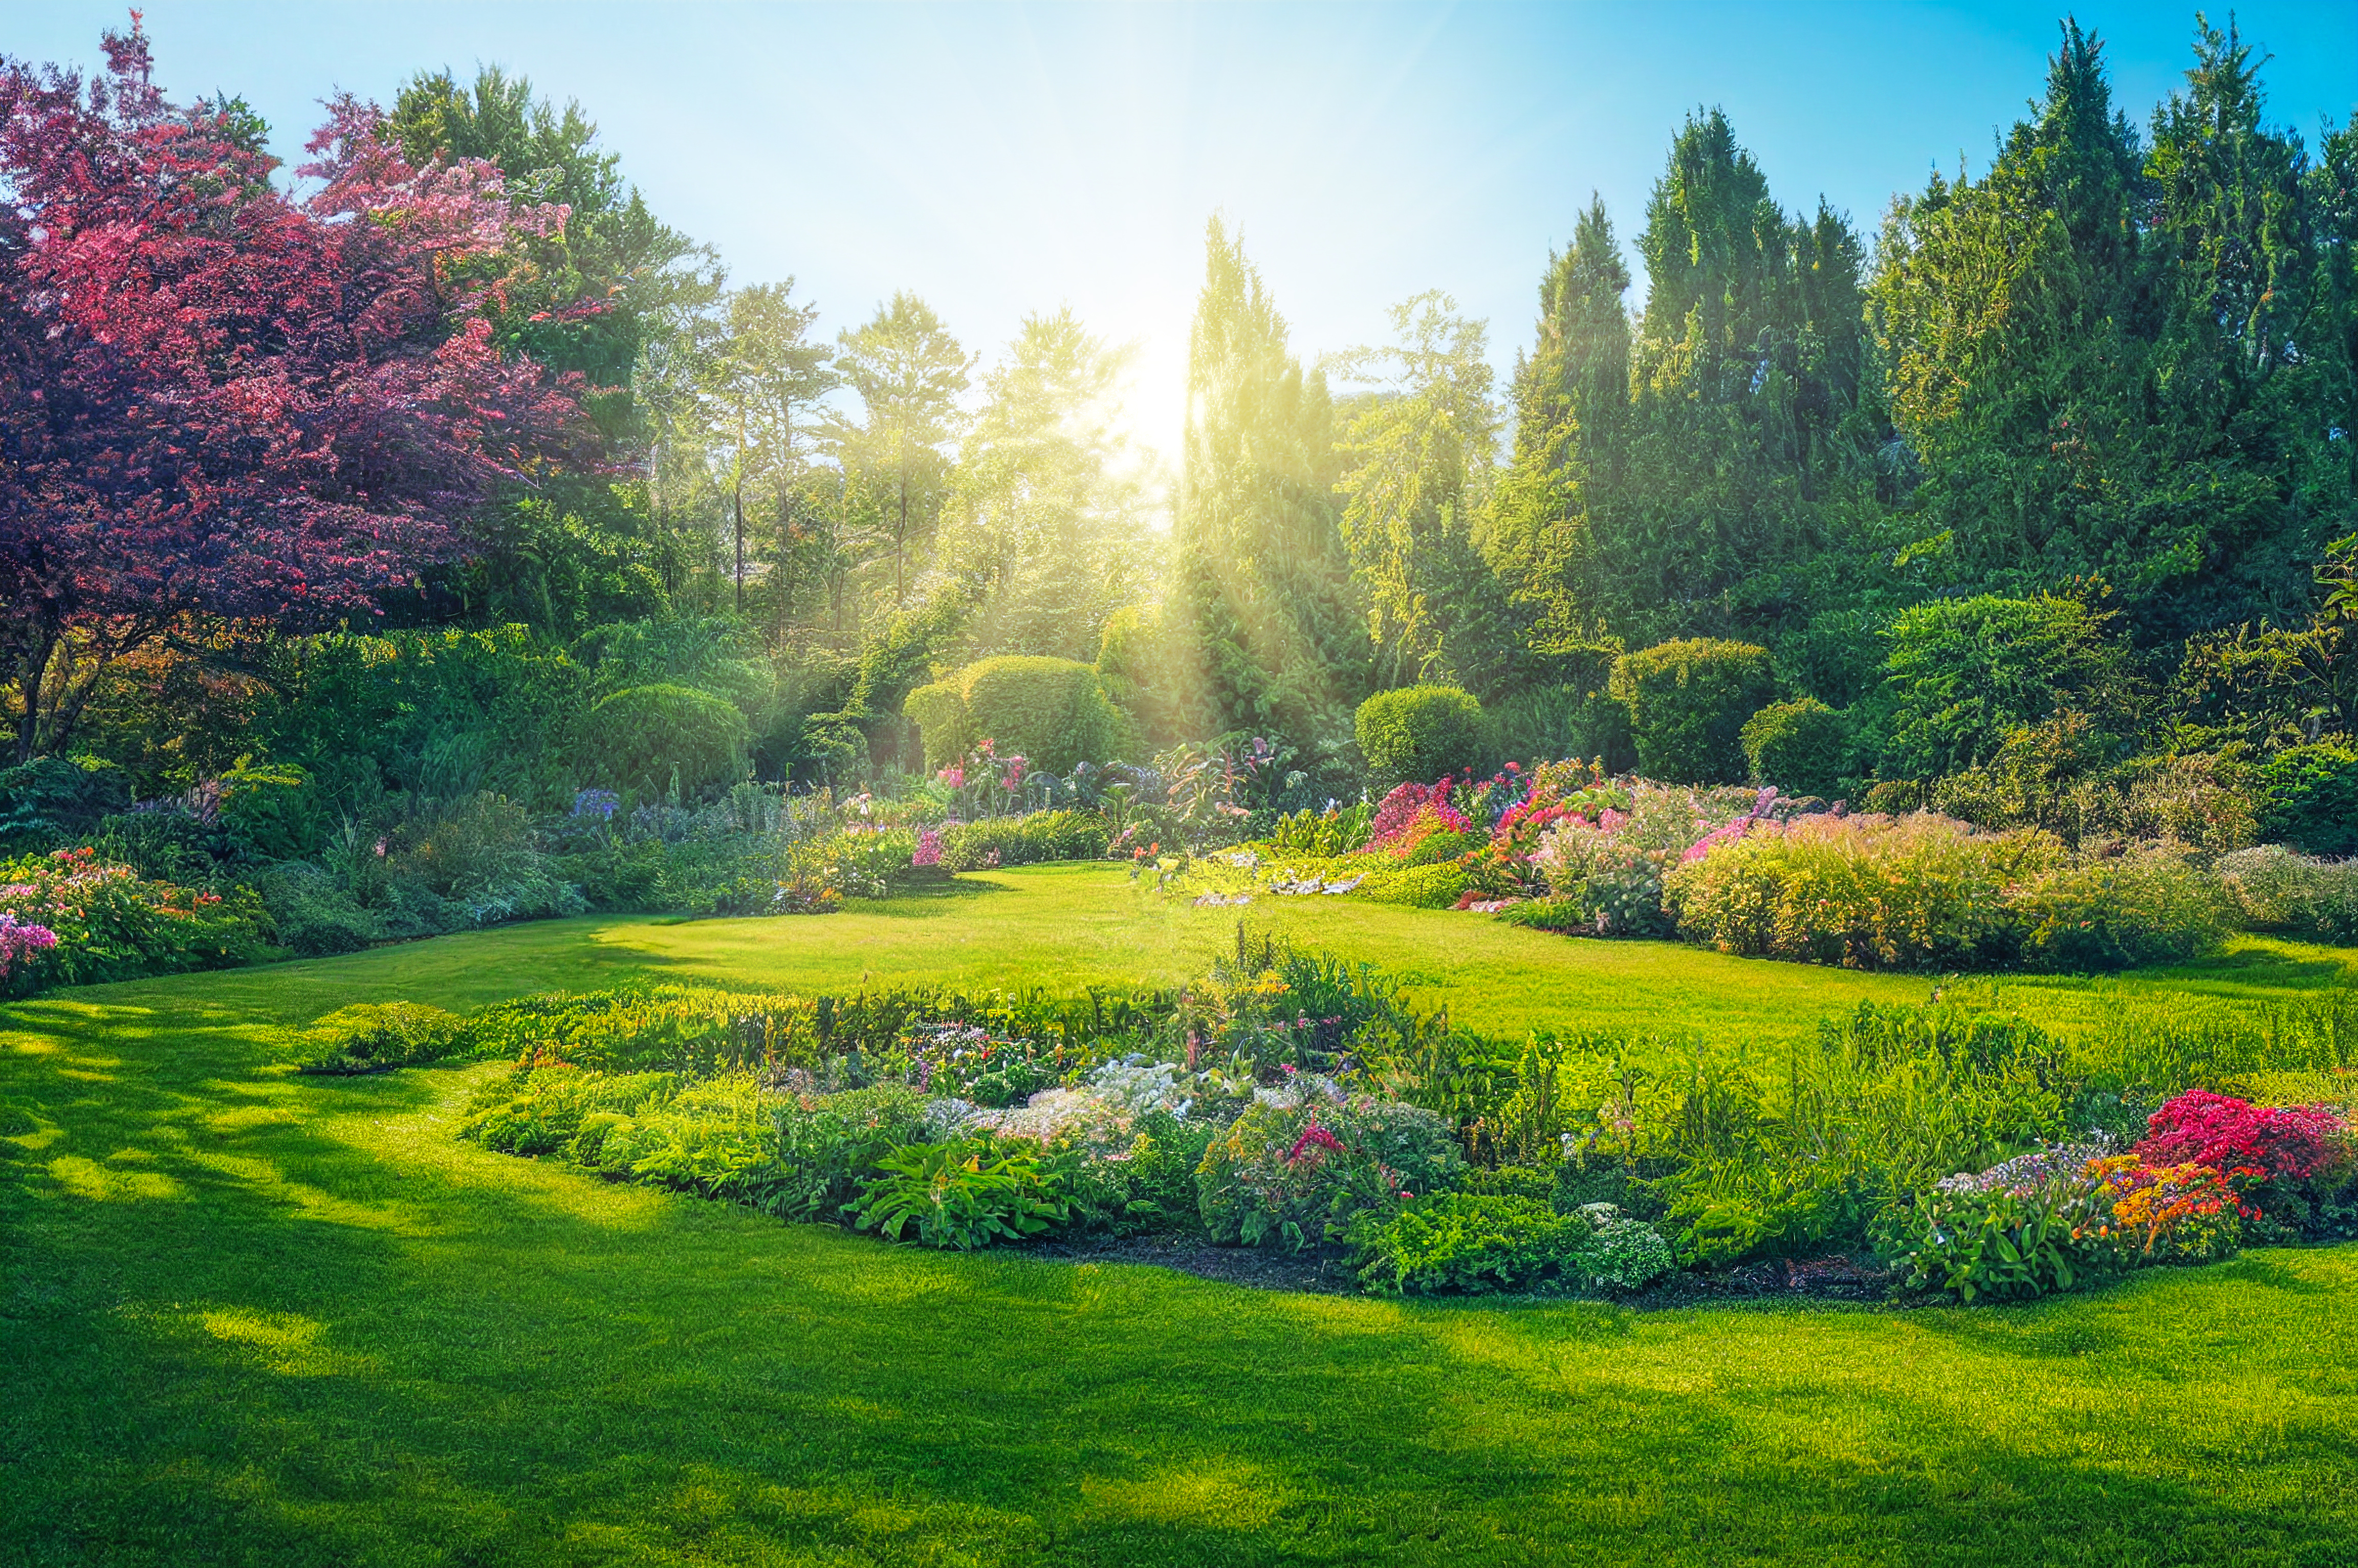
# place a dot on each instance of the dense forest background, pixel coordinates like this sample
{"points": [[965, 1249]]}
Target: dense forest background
{"points": [[2053, 472]]}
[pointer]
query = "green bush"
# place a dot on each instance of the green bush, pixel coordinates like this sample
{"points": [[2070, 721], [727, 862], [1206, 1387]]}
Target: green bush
{"points": [[643, 738], [1054, 713], [831, 750], [372, 1037], [1546, 723], [946, 728], [1928, 892], [1964, 672], [1469, 1242], [2310, 799], [52, 799], [1475, 1242], [829, 1145], [1419, 887], [1801, 747], [440, 714], [1024, 840], [1688, 701], [2277, 889], [1422, 732]]}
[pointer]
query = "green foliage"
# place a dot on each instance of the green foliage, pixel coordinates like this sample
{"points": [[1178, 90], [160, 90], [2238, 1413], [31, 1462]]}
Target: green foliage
{"points": [[961, 1196], [829, 1147], [1478, 1242], [1297, 1169], [939, 711], [1024, 840], [1466, 1242], [1323, 834], [2277, 890], [1926, 892], [1419, 887], [1052, 712], [434, 714], [1546, 722], [1964, 673], [47, 801], [1422, 732], [372, 1037], [656, 740], [2003, 1245], [2310, 798], [1688, 701], [1803, 747]]}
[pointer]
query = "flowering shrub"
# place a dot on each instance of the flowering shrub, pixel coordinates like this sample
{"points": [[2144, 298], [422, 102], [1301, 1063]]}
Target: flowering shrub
{"points": [[1298, 1166], [70, 918], [1927, 892], [2222, 1131], [929, 852], [2184, 1213]]}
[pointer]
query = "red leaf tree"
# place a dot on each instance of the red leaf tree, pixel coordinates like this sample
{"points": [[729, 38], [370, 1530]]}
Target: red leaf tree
{"points": [[223, 402]]}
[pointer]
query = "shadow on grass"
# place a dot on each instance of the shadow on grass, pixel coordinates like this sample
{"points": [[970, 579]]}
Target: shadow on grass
{"points": [[343, 1337]]}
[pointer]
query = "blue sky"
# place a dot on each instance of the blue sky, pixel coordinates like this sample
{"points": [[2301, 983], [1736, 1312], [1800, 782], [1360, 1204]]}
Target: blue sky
{"points": [[1000, 159]]}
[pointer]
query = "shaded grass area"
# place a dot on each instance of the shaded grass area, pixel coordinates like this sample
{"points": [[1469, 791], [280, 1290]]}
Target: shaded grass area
{"points": [[248, 1318]]}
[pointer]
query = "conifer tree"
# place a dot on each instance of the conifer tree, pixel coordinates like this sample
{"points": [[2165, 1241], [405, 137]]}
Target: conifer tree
{"points": [[1270, 637]]}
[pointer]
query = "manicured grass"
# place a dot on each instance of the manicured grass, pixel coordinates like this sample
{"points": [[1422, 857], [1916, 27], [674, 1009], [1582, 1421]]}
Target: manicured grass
{"points": [[249, 1318]]}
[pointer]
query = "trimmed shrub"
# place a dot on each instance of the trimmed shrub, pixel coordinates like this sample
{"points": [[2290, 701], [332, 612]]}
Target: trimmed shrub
{"points": [[1052, 712], [1688, 702], [1419, 887], [643, 736], [1422, 732], [1801, 747], [2310, 799]]}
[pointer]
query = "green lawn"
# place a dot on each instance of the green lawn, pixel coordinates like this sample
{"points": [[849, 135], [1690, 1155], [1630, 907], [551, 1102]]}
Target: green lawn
{"points": [[249, 1318]]}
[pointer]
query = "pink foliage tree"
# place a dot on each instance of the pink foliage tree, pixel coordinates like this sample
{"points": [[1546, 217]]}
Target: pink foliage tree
{"points": [[220, 402]]}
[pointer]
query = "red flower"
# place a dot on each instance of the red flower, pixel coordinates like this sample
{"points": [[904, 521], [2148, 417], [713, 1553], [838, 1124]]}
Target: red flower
{"points": [[1313, 1136]]}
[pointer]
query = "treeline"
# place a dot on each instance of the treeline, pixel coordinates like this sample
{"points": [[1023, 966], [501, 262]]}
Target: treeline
{"points": [[2057, 460]]}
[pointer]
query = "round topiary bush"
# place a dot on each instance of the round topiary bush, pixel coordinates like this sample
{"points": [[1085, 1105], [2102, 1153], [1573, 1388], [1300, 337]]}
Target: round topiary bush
{"points": [[2308, 799], [640, 735], [1688, 701], [1422, 733], [1801, 747], [1053, 713]]}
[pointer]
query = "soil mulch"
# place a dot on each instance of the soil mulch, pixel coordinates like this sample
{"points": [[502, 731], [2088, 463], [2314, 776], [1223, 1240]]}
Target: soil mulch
{"points": [[1325, 1272]]}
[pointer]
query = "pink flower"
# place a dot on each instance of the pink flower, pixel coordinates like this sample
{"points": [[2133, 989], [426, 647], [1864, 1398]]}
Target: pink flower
{"points": [[1313, 1137]]}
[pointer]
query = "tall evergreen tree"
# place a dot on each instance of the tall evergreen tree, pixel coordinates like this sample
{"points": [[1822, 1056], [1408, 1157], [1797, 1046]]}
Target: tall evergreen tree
{"points": [[1269, 635], [1571, 398], [1420, 457]]}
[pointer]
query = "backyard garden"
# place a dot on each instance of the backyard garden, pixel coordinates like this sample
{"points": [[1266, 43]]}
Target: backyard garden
{"points": [[628, 936]]}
